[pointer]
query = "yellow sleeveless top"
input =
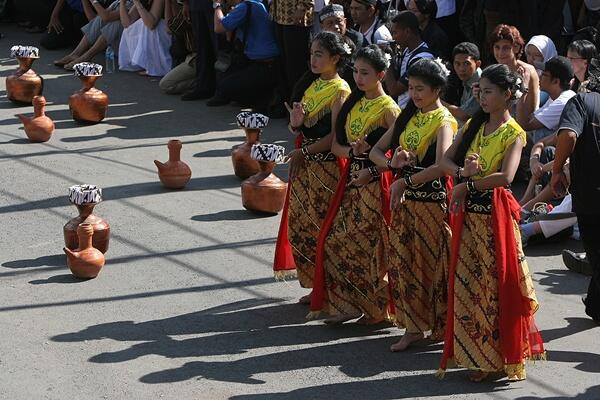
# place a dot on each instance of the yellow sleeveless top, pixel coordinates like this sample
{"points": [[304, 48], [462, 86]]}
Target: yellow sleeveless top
{"points": [[494, 146], [320, 96], [421, 131], [367, 115]]}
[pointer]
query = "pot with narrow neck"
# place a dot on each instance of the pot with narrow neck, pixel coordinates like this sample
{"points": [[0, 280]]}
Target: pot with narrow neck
{"points": [[173, 174], [88, 105], [86, 261], [243, 165], [25, 83], [264, 191], [39, 128]]}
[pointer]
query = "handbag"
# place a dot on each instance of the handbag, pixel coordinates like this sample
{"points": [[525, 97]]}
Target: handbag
{"points": [[235, 57]]}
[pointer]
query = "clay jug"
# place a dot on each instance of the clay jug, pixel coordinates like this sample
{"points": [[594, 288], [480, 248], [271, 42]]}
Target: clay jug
{"points": [[86, 261], [85, 198], [174, 174], [88, 105], [40, 127], [25, 83], [264, 192], [243, 165]]}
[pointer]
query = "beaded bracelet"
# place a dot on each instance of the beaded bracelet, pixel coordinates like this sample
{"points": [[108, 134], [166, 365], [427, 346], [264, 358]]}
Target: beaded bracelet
{"points": [[351, 152], [305, 152], [458, 171], [471, 186], [408, 181], [373, 171]]}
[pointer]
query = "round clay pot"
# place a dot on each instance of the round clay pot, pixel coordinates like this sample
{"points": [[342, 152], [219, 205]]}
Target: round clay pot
{"points": [[88, 105], [101, 228], [24, 84], [243, 165], [86, 261], [40, 127], [264, 192], [174, 174]]}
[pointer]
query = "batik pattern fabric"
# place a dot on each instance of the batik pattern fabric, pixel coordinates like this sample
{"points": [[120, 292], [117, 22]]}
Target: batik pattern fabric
{"points": [[355, 243], [310, 194], [420, 234]]}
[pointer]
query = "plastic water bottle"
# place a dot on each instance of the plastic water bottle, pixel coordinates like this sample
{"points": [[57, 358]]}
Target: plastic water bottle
{"points": [[110, 60]]}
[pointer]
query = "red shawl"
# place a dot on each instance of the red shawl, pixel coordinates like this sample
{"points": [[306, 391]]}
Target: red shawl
{"points": [[284, 263], [318, 294], [519, 337]]}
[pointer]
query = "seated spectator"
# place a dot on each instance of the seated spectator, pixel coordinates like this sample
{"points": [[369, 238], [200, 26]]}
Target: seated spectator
{"points": [[432, 34], [181, 78], [332, 19], [466, 62], [560, 219], [581, 53], [508, 46], [365, 14], [251, 84], [556, 81], [145, 41], [66, 20], [406, 34], [103, 30], [540, 49]]}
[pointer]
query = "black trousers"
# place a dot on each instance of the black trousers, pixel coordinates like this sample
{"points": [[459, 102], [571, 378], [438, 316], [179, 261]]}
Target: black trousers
{"points": [[252, 85], [589, 227], [36, 11], [293, 42], [206, 47], [72, 21]]}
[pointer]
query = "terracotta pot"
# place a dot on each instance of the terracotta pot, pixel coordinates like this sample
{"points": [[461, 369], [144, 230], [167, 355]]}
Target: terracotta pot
{"points": [[174, 174], [264, 192], [24, 84], [88, 104], [85, 262], [101, 228], [243, 165], [40, 127]]}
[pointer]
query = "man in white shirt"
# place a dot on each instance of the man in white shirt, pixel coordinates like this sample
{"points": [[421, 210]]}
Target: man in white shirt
{"points": [[406, 34], [365, 15], [556, 81]]}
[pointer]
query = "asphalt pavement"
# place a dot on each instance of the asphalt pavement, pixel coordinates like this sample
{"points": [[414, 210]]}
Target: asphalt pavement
{"points": [[186, 306]]}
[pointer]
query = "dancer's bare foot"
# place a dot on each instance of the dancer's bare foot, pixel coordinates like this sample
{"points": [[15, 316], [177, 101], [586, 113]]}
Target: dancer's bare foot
{"points": [[406, 341], [65, 60], [477, 376], [364, 320], [340, 319], [305, 299]]}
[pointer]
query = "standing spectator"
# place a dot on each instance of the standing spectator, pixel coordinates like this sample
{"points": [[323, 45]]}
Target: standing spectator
{"points": [[293, 20], [432, 34], [145, 41], [579, 141], [466, 62], [365, 15], [405, 28], [201, 15], [333, 20], [66, 21], [251, 84]]}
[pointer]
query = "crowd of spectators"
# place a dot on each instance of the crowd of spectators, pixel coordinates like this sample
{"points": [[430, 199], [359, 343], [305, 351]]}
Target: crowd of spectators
{"points": [[252, 52]]}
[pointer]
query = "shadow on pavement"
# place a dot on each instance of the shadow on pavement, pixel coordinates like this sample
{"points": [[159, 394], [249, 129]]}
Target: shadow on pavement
{"points": [[231, 215], [563, 281]]}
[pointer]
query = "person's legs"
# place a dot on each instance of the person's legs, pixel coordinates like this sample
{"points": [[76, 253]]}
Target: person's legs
{"points": [[180, 78], [295, 55], [252, 85], [206, 49], [96, 48], [590, 235], [91, 32]]}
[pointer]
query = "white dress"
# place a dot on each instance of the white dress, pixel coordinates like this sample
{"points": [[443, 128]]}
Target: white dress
{"points": [[143, 48]]}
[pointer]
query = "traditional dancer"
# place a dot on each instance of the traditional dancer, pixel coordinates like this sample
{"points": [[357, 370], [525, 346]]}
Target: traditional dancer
{"points": [[351, 268], [419, 233], [313, 170], [491, 299]]}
